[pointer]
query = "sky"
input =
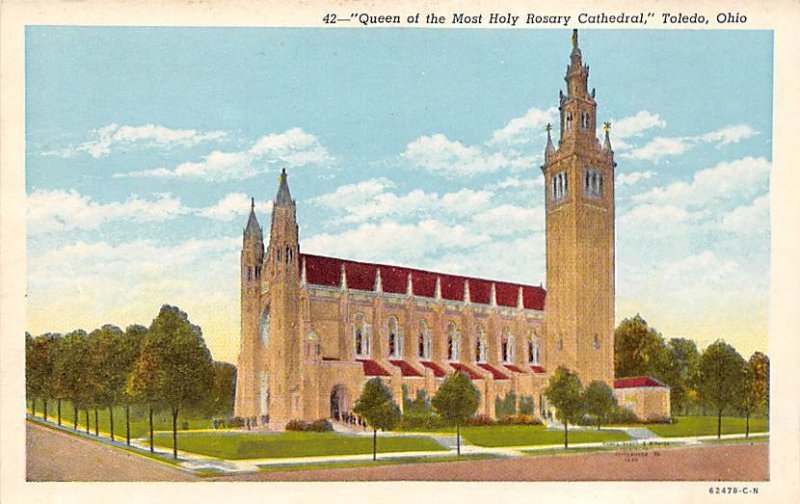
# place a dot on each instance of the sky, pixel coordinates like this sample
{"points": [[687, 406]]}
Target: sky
{"points": [[413, 147]]}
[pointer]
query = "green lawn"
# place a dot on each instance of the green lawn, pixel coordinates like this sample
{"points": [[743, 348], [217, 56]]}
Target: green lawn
{"points": [[519, 435], [707, 426], [139, 420], [291, 444]]}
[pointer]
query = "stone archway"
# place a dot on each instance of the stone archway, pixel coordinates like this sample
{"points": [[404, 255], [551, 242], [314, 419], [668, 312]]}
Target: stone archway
{"points": [[340, 402]]}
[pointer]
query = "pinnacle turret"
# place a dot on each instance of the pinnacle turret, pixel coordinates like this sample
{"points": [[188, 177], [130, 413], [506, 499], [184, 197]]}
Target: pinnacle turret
{"points": [[253, 229], [549, 149], [284, 197]]}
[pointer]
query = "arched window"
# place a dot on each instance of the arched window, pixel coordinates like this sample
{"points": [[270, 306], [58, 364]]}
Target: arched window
{"points": [[395, 340], [361, 336], [453, 342], [480, 344], [568, 122], [507, 346], [533, 349], [424, 350], [585, 120]]}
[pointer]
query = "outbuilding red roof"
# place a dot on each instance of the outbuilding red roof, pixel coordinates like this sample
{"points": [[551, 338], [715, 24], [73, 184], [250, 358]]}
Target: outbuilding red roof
{"points": [[496, 373], [466, 370], [406, 369], [438, 372], [327, 271], [538, 369], [372, 368], [637, 381]]}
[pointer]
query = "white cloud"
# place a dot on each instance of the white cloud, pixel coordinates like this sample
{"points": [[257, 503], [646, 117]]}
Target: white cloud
{"points": [[524, 129], [113, 136], [729, 135], [510, 219], [292, 148], [391, 241], [369, 200], [749, 219], [233, 205], [743, 177], [660, 147], [60, 210], [517, 183], [635, 125], [633, 178]]}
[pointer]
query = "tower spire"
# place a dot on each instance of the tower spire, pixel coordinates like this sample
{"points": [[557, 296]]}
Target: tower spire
{"points": [[607, 141], [284, 197], [549, 149], [252, 229]]}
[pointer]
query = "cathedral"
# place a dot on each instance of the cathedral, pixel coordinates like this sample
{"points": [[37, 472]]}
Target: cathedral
{"points": [[314, 329]]}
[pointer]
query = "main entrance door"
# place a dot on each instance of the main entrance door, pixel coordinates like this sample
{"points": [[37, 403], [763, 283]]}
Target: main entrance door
{"points": [[339, 402]]}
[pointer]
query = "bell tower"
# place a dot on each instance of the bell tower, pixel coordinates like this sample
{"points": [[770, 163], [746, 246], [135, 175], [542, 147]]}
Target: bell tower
{"points": [[579, 202]]}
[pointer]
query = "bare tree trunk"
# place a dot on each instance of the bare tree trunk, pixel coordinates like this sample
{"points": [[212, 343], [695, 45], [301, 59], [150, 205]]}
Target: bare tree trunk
{"points": [[75, 417], [128, 424], [87, 420], [96, 424], [151, 430], [374, 444], [33, 408], [458, 440], [111, 421], [58, 407], [719, 423], [175, 433], [566, 435], [44, 400]]}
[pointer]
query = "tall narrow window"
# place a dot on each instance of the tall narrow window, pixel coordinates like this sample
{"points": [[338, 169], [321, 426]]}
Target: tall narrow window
{"points": [[361, 336], [593, 183], [424, 341], [395, 339], [560, 186], [568, 122], [533, 349], [585, 120], [507, 346], [453, 342], [480, 345]]}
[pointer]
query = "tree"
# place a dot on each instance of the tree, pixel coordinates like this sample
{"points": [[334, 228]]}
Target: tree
{"points": [[131, 343], [378, 408], [109, 370], [755, 376], [759, 364], [40, 355], [721, 382], [221, 397], [639, 350], [174, 367], [565, 395], [69, 371], [680, 372], [600, 401], [456, 401]]}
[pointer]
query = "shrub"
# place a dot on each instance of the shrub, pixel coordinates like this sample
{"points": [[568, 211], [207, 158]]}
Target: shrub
{"points": [[425, 422], [526, 406], [184, 425], [480, 420], [624, 415], [296, 425], [520, 420], [320, 426], [236, 422]]}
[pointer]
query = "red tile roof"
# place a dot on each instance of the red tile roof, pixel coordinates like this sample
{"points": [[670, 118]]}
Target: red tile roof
{"points": [[466, 370], [321, 270], [438, 372], [538, 369], [406, 369], [496, 373], [514, 368], [637, 381], [372, 368]]}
